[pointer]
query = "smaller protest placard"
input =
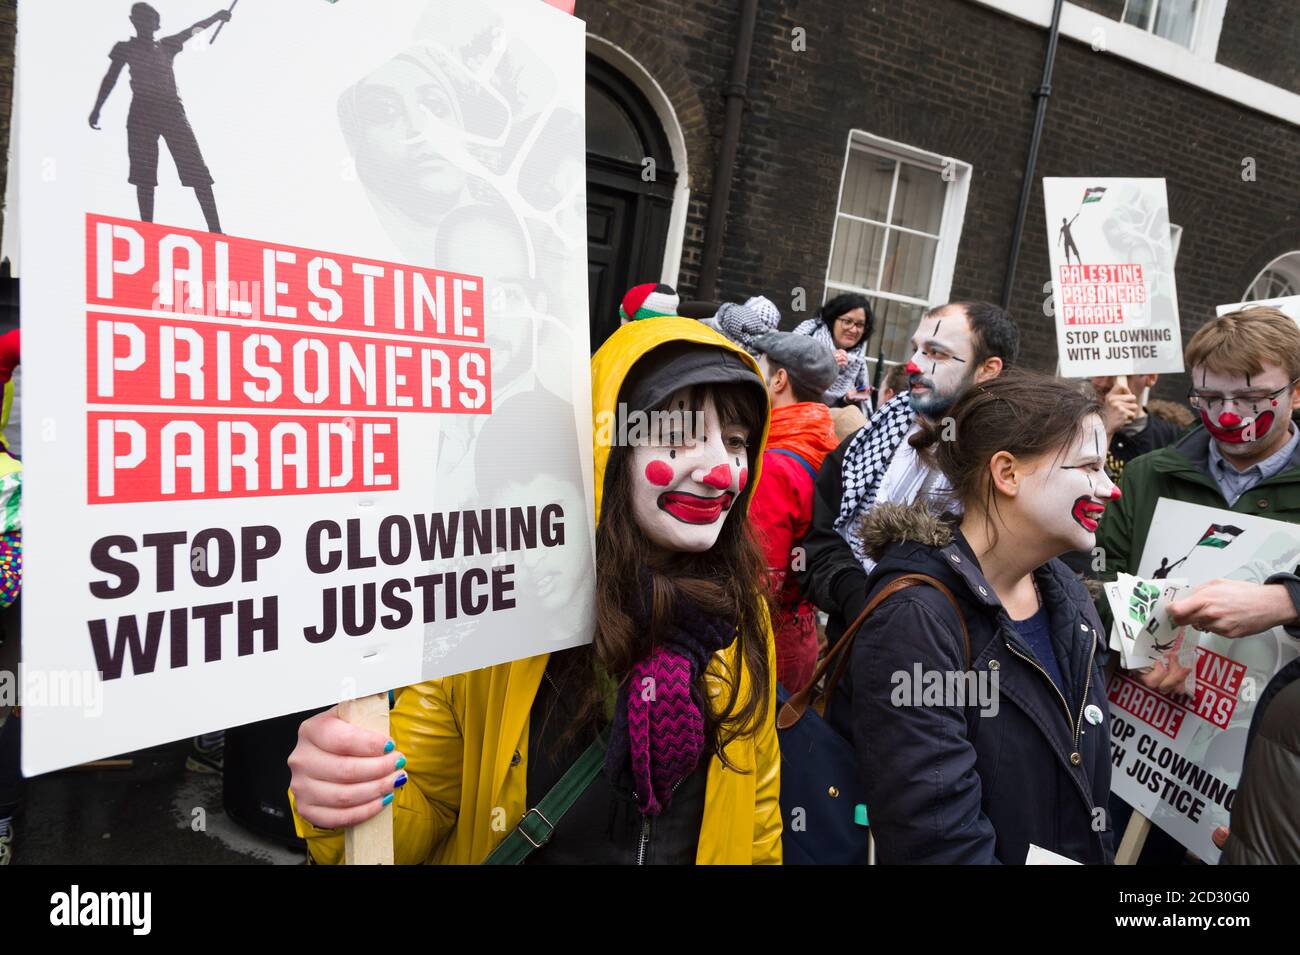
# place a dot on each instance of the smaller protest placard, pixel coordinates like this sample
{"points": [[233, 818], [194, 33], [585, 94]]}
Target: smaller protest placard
{"points": [[1112, 266], [1176, 759]]}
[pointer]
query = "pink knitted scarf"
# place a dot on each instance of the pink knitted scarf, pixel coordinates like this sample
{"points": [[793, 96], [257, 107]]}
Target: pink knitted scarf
{"points": [[658, 733]]}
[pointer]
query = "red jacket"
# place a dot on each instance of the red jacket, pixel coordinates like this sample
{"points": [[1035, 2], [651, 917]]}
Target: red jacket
{"points": [[781, 512]]}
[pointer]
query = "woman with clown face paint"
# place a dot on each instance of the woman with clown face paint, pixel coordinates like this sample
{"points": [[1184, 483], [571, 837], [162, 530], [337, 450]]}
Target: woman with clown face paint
{"points": [[678, 681], [982, 735]]}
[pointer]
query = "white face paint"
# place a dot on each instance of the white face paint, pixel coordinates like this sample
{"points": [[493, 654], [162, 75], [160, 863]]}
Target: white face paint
{"points": [[1068, 490], [683, 487], [1255, 420], [943, 361]]}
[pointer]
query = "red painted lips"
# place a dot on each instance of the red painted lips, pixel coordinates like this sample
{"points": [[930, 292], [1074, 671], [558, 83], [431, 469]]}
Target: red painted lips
{"points": [[1087, 512], [694, 509], [1237, 434]]}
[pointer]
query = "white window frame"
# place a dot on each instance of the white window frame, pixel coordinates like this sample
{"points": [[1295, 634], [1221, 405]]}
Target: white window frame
{"points": [[951, 219], [1207, 25]]}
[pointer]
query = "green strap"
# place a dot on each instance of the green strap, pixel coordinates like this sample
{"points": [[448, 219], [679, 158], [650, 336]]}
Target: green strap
{"points": [[535, 829]]}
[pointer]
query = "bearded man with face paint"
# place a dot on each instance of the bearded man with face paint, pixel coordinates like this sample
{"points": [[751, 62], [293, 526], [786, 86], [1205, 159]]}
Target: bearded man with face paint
{"points": [[954, 347], [1244, 457]]}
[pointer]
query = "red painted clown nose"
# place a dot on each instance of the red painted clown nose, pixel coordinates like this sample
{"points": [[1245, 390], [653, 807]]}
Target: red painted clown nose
{"points": [[912, 368], [1114, 494], [719, 477], [1229, 420]]}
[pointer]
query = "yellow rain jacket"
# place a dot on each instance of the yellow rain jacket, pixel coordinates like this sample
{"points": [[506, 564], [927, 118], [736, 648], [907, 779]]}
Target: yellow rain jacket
{"points": [[465, 737]]}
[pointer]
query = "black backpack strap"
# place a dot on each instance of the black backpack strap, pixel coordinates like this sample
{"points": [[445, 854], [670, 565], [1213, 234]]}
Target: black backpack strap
{"points": [[839, 655]]}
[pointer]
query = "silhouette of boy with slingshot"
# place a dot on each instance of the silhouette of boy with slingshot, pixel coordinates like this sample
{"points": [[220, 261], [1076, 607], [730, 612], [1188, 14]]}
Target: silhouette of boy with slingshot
{"points": [[157, 111], [1066, 236]]}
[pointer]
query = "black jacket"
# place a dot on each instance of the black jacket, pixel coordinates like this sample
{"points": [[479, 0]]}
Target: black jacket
{"points": [[1265, 827], [945, 784], [831, 577]]}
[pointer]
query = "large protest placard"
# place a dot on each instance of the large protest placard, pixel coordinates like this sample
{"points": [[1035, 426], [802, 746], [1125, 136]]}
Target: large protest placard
{"points": [[1178, 760], [1112, 276], [320, 426]]}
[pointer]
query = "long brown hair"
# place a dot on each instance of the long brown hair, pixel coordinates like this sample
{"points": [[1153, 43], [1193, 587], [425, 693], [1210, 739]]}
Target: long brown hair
{"points": [[728, 579]]}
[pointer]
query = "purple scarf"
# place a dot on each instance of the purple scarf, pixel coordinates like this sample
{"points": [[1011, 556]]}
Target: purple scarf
{"points": [[658, 730]]}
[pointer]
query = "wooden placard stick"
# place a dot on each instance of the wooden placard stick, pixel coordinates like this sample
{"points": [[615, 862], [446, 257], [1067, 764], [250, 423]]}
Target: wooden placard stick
{"points": [[371, 842], [1135, 837]]}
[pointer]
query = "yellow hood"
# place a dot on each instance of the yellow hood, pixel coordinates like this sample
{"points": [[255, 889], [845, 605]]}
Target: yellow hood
{"points": [[611, 364], [466, 736]]}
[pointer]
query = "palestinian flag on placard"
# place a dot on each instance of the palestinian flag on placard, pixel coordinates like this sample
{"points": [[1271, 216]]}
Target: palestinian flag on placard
{"points": [[1219, 535], [1094, 194]]}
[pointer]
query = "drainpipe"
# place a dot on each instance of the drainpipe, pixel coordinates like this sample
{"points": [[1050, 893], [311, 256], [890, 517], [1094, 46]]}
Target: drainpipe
{"points": [[736, 94], [1041, 96]]}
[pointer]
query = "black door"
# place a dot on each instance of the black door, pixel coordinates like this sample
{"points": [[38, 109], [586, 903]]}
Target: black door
{"points": [[630, 180]]}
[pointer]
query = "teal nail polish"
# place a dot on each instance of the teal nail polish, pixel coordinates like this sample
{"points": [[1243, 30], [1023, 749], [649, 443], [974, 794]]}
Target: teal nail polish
{"points": [[388, 799], [400, 781], [389, 746], [401, 761]]}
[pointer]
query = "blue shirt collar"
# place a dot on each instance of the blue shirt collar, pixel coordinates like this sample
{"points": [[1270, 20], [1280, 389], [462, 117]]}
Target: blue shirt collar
{"points": [[1222, 471]]}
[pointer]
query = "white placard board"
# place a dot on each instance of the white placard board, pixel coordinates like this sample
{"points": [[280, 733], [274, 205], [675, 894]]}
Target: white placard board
{"points": [[1112, 264], [1178, 761], [342, 446]]}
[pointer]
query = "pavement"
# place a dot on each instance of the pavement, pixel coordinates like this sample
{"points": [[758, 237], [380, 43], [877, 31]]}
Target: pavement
{"points": [[156, 812]]}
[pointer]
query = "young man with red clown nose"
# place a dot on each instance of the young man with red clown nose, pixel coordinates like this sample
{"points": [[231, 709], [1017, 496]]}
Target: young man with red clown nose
{"points": [[1244, 457]]}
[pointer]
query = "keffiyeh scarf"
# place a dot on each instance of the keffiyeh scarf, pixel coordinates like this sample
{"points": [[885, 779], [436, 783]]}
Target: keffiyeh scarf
{"points": [[866, 460]]}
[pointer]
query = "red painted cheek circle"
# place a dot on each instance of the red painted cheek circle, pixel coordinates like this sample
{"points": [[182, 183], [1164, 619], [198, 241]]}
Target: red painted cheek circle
{"points": [[659, 474], [744, 477]]}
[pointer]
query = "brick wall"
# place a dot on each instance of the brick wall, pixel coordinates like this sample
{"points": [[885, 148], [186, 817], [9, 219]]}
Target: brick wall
{"points": [[954, 78]]}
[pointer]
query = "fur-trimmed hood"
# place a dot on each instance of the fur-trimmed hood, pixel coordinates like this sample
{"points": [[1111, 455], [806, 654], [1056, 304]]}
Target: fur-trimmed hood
{"points": [[886, 524], [1172, 412]]}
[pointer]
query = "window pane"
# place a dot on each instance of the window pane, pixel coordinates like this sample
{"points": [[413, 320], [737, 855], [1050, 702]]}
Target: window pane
{"points": [[1272, 285], [919, 201], [867, 181], [855, 259], [895, 322], [609, 130], [1175, 20], [1138, 13], [909, 263], [1280, 279]]}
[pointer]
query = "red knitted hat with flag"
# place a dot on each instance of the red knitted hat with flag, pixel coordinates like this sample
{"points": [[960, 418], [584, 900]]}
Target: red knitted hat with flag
{"points": [[648, 301]]}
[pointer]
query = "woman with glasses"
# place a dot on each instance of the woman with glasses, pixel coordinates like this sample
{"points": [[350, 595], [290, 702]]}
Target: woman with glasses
{"points": [[844, 324]]}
